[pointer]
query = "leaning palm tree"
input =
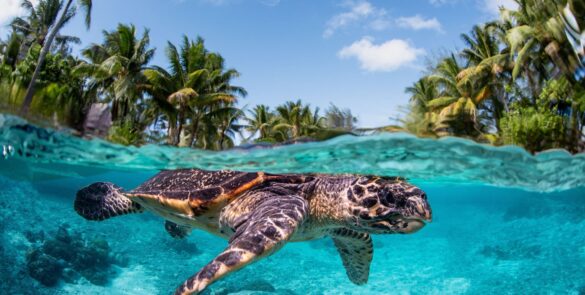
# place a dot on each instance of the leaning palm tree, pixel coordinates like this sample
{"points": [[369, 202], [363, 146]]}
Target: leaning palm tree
{"points": [[66, 11], [35, 26]]}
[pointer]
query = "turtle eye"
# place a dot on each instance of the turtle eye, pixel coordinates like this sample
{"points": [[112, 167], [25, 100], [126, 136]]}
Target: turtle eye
{"points": [[424, 196]]}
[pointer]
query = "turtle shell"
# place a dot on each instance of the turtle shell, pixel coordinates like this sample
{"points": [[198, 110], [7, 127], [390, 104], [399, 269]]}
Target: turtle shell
{"points": [[196, 184], [194, 192]]}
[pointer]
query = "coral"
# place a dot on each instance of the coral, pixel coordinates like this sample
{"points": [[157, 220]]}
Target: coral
{"points": [[43, 268], [69, 256], [34, 237]]}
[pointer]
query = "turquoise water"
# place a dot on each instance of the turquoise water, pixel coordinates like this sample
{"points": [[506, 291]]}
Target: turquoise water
{"points": [[505, 222]]}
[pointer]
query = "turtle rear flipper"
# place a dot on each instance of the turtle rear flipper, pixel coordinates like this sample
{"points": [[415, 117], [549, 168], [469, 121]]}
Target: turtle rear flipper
{"points": [[103, 200], [177, 231]]}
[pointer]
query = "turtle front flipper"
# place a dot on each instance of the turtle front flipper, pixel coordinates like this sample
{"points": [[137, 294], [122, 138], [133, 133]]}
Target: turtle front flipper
{"points": [[103, 200], [265, 230], [177, 231], [356, 252]]}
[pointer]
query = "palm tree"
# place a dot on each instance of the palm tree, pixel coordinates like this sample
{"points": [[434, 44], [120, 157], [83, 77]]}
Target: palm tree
{"points": [[457, 105], [66, 11], [226, 122], [196, 85], [116, 68], [486, 65], [217, 94], [421, 93], [312, 122], [297, 120], [9, 50], [420, 119], [537, 31], [260, 120], [290, 118], [35, 27], [62, 94], [512, 75]]}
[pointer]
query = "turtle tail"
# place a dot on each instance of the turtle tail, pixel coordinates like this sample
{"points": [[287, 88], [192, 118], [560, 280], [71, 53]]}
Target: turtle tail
{"points": [[103, 200]]}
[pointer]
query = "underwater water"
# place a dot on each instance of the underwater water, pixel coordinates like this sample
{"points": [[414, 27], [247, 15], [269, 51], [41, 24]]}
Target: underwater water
{"points": [[504, 221]]}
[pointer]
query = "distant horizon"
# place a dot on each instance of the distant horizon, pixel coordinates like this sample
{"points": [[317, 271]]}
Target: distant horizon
{"points": [[359, 55]]}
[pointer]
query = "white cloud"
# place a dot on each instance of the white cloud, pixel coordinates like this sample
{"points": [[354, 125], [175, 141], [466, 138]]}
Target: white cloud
{"points": [[360, 11], [417, 22], [384, 57], [493, 6], [8, 10]]}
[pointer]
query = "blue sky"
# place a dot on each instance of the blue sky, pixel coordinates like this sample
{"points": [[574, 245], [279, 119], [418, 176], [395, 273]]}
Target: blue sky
{"points": [[356, 54]]}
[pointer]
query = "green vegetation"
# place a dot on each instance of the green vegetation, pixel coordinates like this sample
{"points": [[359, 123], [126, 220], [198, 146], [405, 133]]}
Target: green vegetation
{"points": [[513, 83], [294, 120], [192, 103], [43, 24]]}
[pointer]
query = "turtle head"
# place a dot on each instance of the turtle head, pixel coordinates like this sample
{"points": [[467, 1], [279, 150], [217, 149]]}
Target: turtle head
{"points": [[387, 205]]}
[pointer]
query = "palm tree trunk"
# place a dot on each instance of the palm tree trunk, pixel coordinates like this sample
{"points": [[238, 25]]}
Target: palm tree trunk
{"points": [[171, 132], [30, 91], [222, 136], [174, 130], [181, 121], [532, 86], [194, 130], [500, 106]]}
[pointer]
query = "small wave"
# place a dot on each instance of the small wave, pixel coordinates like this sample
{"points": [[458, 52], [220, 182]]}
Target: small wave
{"points": [[447, 160]]}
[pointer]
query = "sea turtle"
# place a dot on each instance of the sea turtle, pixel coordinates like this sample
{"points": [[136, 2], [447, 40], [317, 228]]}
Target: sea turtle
{"points": [[259, 212]]}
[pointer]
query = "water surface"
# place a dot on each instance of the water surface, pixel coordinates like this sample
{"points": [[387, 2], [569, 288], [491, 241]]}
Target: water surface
{"points": [[505, 222]]}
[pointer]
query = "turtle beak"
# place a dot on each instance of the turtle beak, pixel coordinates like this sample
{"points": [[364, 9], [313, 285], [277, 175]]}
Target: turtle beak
{"points": [[413, 225], [427, 216], [421, 209]]}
